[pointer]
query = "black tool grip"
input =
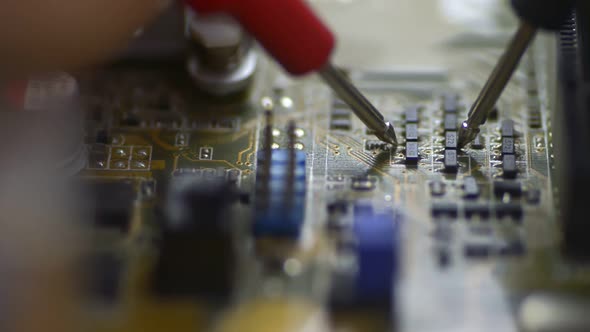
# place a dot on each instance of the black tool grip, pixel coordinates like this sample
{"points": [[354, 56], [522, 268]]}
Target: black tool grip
{"points": [[546, 14]]}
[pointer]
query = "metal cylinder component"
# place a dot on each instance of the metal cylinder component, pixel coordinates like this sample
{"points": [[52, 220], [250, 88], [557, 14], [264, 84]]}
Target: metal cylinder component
{"points": [[47, 106], [223, 60]]}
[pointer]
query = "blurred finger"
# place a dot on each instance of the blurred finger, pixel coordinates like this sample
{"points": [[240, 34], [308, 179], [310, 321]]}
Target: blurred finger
{"points": [[38, 35]]}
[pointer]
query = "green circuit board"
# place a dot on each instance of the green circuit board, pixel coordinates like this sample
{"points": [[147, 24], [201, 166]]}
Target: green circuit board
{"points": [[475, 236]]}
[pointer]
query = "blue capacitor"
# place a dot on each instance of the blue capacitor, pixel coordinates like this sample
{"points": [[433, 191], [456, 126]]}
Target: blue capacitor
{"points": [[377, 238]]}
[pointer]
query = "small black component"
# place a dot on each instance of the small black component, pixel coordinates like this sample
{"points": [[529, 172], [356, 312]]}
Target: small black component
{"points": [[363, 183], [209, 274], [470, 188], [412, 115], [341, 113], [412, 155], [508, 145], [507, 128], [450, 103], [340, 124], [509, 166], [338, 207], [411, 132], [478, 143], [512, 188], [514, 248], [477, 250], [113, 204], [451, 140], [535, 120], [450, 122], [512, 210], [481, 210], [206, 153], [533, 196], [196, 227], [437, 188], [450, 161], [444, 210], [376, 145], [545, 14]]}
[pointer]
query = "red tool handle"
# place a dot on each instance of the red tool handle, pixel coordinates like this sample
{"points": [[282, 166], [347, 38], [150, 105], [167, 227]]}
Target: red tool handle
{"points": [[288, 29]]}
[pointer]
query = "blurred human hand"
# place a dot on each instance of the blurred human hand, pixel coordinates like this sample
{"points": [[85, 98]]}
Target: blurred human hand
{"points": [[42, 35]]}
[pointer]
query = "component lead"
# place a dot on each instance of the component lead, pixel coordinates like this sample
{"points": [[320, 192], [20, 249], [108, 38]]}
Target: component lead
{"points": [[359, 104], [496, 83]]}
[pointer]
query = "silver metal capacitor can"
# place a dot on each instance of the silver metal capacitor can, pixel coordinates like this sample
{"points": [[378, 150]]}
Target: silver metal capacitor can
{"points": [[43, 121], [222, 59]]}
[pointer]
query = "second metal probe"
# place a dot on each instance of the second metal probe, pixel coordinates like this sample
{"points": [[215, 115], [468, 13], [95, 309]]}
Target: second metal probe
{"points": [[498, 80], [363, 109]]}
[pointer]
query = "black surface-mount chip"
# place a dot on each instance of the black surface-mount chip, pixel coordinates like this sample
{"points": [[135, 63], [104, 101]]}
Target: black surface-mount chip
{"points": [[450, 103], [450, 161], [112, 203], [440, 209], [340, 124], [513, 248], [508, 145], [341, 113], [450, 122], [509, 166], [412, 155], [512, 188], [477, 250], [451, 140], [412, 115], [481, 210], [512, 210], [411, 132], [535, 122], [507, 128], [363, 183], [470, 188]]}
